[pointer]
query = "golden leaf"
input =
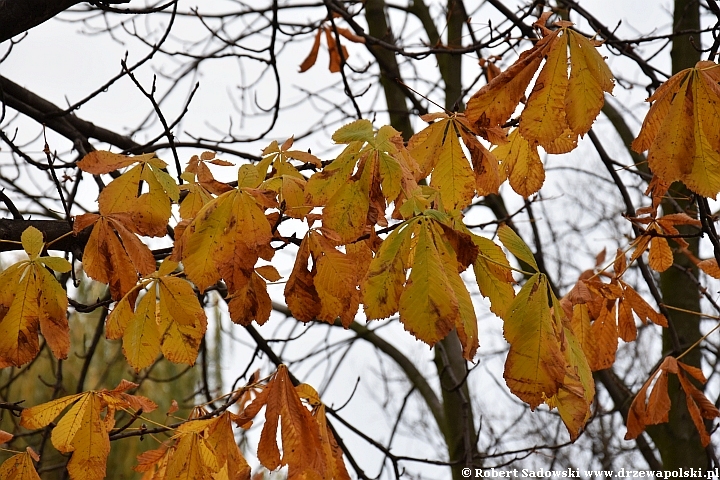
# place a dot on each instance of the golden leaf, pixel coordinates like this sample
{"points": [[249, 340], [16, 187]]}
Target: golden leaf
{"points": [[19, 467], [535, 367], [32, 300], [82, 431]]}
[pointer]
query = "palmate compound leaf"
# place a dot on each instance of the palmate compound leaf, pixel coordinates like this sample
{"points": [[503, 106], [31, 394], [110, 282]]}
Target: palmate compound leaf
{"points": [[302, 449], [114, 254], [200, 449], [328, 290], [558, 105], [82, 431], [150, 211], [354, 199], [32, 299], [167, 318], [681, 131], [336, 469], [433, 299], [225, 240], [601, 312], [535, 367], [520, 164], [20, 466], [655, 408], [437, 150]]}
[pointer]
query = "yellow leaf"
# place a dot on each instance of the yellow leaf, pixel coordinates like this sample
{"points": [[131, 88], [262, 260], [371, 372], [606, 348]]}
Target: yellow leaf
{"points": [[385, 278], [40, 415], [494, 103], [354, 200], [32, 242], [32, 299], [150, 210], [535, 367], [335, 282], [99, 161], [486, 167], [576, 394], [493, 275], [442, 153], [428, 306], [192, 459], [705, 175], [52, 311], [670, 156], [323, 185], [200, 243], [466, 322], [174, 324], [235, 221], [543, 119], [141, 339], [19, 467], [221, 440], [522, 164], [581, 327], [82, 430], [346, 212], [181, 320], [589, 78], [19, 326], [659, 109]]}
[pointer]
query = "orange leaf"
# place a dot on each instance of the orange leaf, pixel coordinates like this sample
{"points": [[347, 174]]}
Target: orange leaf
{"points": [[300, 436]]}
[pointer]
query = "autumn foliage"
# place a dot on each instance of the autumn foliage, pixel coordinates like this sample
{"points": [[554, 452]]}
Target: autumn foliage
{"points": [[385, 231]]}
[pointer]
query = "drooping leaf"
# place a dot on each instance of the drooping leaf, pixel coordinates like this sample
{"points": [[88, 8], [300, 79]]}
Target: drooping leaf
{"points": [[20, 467], [82, 431], [493, 275], [333, 454], [438, 151], [149, 211], [32, 301], [233, 223], [167, 318], [543, 119], [535, 367], [654, 408], [329, 289], [302, 450], [680, 131], [520, 161], [355, 200], [432, 300], [558, 106], [114, 254]]}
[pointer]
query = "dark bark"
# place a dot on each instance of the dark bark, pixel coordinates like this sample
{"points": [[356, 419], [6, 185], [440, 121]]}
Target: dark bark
{"points": [[18, 16], [680, 445], [11, 230]]}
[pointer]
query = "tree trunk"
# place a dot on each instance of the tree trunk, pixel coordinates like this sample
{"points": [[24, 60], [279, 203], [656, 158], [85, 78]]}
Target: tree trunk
{"points": [[679, 444]]}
